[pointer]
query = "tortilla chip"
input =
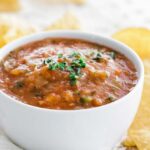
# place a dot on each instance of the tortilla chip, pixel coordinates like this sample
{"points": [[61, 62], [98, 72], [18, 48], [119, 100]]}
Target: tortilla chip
{"points": [[136, 38], [11, 29], [9, 5], [147, 67], [139, 132], [68, 21], [128, 142], [78, 2], [3, 31], [17, 32]]}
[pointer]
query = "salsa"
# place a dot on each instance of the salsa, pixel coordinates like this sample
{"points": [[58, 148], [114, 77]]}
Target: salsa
{"points": [[66, 74]]}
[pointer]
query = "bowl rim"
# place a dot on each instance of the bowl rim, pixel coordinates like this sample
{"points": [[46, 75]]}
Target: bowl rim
{"points": [[41, 35]]}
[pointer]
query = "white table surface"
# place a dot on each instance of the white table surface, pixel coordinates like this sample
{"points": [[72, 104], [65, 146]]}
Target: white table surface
{"points": [[101, 16]]}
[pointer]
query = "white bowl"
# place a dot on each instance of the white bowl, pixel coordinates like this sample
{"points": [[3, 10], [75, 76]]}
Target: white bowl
{"points": [[97, 128]]}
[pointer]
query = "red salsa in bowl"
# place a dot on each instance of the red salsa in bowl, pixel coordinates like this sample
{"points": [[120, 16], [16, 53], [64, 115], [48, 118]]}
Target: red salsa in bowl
{"points": [[66, 74]]}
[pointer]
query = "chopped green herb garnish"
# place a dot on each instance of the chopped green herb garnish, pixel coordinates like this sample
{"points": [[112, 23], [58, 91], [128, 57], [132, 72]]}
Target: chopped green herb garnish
{"points": [[62, 65], [60, 55], [69, 68], [112, 55], [52, 66], [73, 78], [98, 57], [79, 63], [73, 82], [74, 68], [78, 71], [48, 60], [75, 54]]}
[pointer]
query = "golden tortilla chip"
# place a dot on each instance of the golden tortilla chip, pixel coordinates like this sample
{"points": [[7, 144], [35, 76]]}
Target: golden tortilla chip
{"points": [[147, 66], [9, 5], [139, 132], [11, 29], [136, 38], [78, 2], [17, 32], [68, 21], [3, 31], [128, 142]]}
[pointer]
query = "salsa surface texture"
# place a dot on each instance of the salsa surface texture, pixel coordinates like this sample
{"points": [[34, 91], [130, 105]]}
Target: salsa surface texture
{"points": [[66, 74]]}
